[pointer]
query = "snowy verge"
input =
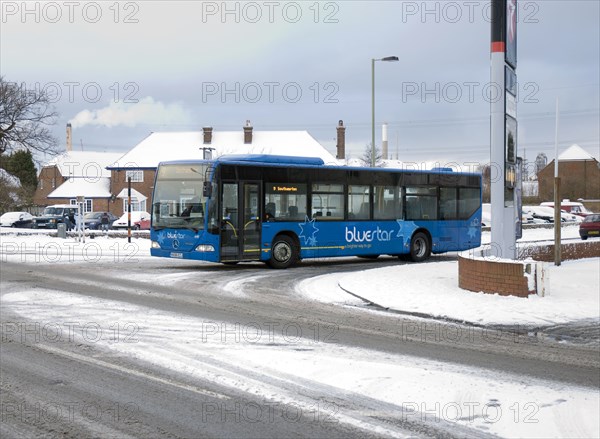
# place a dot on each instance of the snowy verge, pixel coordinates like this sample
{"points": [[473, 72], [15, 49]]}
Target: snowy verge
{"points": [[432, 289]]}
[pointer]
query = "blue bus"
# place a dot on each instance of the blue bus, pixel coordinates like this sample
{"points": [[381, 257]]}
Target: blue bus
{"points": [[280, 210]]}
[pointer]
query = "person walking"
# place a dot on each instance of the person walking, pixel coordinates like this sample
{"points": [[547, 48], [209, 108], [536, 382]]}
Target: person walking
{"points": [[104, 221]]}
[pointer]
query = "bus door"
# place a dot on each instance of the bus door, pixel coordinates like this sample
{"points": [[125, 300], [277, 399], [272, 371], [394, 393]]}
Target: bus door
{"points": [[240, 225]]}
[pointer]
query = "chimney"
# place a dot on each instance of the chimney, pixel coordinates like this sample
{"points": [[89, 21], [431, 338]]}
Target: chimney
{"points": [[384, 141], [248, 133], [207, 131], [69, 138], [341, 140]]}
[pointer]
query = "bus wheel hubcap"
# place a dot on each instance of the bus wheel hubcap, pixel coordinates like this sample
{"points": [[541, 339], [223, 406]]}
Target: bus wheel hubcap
{"points": [[282, 252], [419, 248]]}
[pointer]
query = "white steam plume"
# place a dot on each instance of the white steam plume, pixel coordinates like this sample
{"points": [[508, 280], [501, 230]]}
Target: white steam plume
{"points": [[146, 111]]}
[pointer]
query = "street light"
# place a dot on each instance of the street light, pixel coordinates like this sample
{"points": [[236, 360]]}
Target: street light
{"points": [[387, 58]]}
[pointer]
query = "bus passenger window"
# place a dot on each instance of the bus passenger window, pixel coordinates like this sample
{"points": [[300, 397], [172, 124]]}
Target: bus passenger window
{"points": [[359, 202], [328, 198], [285, 201]]}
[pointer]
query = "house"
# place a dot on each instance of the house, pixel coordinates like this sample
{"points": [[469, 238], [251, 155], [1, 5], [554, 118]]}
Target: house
{"points": [[141, 162], [579, 174], [76, 173]]}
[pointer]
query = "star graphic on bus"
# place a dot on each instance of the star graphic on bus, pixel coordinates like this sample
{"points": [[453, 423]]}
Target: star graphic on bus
{"points": [[472, 232], [399, 221], [309, 230], [161, 237]]}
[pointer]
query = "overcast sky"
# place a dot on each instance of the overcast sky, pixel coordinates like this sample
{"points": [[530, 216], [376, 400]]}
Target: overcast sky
{"points": [[122, 70]]}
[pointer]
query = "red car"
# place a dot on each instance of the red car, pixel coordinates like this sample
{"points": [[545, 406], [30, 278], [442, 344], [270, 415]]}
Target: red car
{"points": [[590, 226], [139, 221]]}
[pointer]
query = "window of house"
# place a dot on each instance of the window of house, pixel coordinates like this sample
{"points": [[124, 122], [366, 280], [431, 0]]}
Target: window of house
{"points": [[135, 205], [88, 204], [136, 176]]}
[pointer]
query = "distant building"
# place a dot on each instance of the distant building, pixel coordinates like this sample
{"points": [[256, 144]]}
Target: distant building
{"points": [[579, 174], [141, 162], [76, 173], [102, 178], [541, 161]]}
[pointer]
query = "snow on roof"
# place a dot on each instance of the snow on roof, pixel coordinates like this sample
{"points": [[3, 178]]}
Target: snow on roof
{"points": [[88, 187], [134, 194], [575, 152], [10, 179], [166, 146], [90, 164]]}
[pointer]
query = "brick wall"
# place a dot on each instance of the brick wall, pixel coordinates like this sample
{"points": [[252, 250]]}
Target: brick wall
{"points": [[119, 182], [493, 277], [49, 179], [578, 179], [508, 278], [575, 250]]}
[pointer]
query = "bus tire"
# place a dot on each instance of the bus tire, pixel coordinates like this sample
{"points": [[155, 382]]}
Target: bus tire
{"points": [[420, 248], [284, 253]]}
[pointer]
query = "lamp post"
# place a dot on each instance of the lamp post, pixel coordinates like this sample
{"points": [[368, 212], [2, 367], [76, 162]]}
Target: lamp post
{"points": [[387, 58]]}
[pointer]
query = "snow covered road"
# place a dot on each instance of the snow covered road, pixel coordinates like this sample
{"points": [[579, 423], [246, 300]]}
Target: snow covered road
{"points": [[184, 349]]}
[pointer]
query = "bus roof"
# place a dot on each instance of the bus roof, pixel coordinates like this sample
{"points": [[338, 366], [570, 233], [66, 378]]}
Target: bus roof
{"points": [[274, 160]]}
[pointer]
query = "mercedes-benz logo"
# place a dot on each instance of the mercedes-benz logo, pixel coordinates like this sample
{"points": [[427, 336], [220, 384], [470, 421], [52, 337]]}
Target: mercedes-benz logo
{"points": [[175, 244]]}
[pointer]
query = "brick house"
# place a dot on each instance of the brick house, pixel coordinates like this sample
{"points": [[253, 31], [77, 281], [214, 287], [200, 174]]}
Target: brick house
{"points": [[141, 162], [76, 173], [579, 174]]}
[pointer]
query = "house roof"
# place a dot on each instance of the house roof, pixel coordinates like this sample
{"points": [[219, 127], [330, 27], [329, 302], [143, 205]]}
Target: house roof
{"points": [[84, 163], [575, 152], [135, 195], [88, 187], [167, 146]]}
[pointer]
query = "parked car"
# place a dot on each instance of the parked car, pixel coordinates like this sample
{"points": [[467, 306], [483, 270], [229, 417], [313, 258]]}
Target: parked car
{"points": [[486, 216], [572, 207], [16, 219], [56, 214], [93, 220], [590, 226], [547, 214], [139, 221]]}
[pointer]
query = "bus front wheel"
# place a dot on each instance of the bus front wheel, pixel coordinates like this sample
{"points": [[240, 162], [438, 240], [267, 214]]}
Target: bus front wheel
{"points": [[283, 252], [420, 249]]}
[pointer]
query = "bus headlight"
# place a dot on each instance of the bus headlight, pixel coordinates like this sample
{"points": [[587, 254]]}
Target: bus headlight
{"points": [[155, 244], [205, 248]]}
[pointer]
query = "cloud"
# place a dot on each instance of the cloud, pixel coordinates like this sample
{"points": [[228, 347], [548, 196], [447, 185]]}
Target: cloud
{"points": [[146, 111]]}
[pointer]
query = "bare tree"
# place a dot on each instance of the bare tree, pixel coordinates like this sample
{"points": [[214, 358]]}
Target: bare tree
{"points": [[368, 154], [25, 119]]}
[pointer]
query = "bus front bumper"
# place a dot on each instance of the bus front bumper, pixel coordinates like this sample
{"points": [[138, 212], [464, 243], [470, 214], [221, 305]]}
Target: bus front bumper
{"points": [[190, 255]]}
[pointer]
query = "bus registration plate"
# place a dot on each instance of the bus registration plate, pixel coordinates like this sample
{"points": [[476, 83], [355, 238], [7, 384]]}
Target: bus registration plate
{"points": [[177, 255]]}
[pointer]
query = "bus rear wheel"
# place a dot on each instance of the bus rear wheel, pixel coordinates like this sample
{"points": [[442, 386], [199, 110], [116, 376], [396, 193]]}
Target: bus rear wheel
{"points": [[283, 252], [420, 248]]}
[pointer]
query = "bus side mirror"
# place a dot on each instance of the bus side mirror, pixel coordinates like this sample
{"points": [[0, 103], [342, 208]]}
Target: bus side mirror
{"points": [[207, 189]]}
